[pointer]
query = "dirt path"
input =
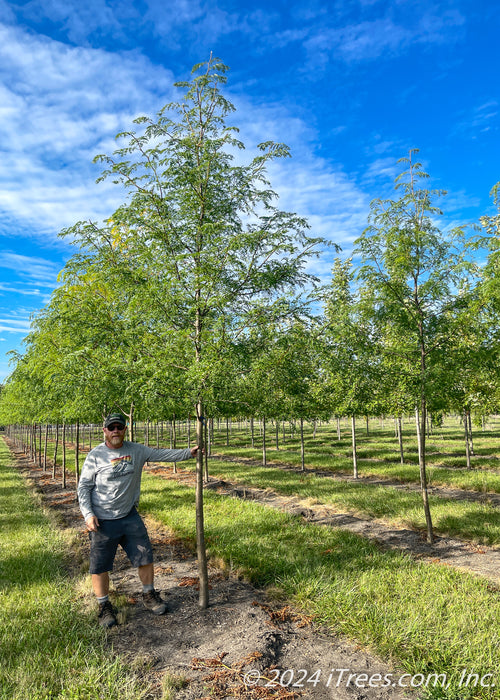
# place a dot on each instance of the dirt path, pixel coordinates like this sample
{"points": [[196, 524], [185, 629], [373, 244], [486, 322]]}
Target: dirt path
{"points": [[222, 651]]}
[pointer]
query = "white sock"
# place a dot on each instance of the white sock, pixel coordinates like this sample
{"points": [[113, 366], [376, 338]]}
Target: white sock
{"points": [[146, 587], [103, 599]]}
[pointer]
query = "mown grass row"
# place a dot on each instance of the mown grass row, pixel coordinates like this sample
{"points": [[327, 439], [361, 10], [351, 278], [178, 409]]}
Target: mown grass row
{"points": [[425, 618], [51, 647], [378, 454], [479, 522]]}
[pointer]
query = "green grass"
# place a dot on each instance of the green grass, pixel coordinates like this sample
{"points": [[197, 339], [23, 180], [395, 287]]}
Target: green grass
{"points": [[426, 618], [50, 645], [479, 522], [378, 453]]}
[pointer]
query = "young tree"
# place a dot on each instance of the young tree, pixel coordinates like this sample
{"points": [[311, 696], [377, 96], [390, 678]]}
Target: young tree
{"points": [[201, 249], [415, 273], [349, 351]]}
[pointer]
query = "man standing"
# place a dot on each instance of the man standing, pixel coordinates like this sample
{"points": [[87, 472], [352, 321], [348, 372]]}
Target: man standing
{"points": [[108, 493]]}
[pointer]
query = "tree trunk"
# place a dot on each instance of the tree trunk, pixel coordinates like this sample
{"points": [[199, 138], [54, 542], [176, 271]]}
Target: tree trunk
{"points": [[55, 452], [421, 431], [400, 438], [470, 433], [354, 451], [339, 436], [64, 455], [45, 447], [467, 443], [264, 451], [200, 526], [40, 447], [131, 430], [77, 452], [302, 450], [205, 442]]}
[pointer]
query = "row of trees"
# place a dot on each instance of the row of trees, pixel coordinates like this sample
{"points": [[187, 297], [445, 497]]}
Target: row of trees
{"points": [[194, 298]]}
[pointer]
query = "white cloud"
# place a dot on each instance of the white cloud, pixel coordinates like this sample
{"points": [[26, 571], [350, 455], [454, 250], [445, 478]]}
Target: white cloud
{"points": [[478, 120], [14, 325], [19, 290], [59, 107], [39, 269], [367, 40]]}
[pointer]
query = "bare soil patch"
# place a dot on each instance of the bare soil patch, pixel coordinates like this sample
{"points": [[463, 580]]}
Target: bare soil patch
{"points": [[221, 651]]}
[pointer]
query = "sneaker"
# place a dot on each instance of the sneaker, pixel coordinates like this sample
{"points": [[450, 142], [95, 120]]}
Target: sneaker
{"points": [[106, 615], [154, 602]]}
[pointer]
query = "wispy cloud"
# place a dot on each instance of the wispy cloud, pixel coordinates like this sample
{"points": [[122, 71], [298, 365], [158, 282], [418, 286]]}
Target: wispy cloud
{"points": [[338, 38], [480, 119], [21, 290], [71, 102], [14, 325], [33, 268]]}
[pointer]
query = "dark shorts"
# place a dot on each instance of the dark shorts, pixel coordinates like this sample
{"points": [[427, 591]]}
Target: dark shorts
{"points": [[129, 532]]}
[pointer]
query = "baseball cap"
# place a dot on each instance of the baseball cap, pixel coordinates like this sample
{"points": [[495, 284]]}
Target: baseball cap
{"points": [[115, 418]]}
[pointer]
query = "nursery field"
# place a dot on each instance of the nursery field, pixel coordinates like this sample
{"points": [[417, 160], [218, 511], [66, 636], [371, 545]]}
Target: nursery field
{"points": [[434, 625]]}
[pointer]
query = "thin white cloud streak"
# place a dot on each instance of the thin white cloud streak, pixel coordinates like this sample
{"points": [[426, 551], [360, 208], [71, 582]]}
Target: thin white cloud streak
{"points": [[332, 38], [484, 117], [60, 106], [335, 206], [39, 269], [18, 290], [15, 326], [71, 101]]}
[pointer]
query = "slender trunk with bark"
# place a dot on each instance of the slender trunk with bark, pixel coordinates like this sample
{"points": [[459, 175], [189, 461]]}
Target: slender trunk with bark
{"points": [[264, 448], [64, 455], [400, 438], [467, 440], [302, 449], [354, 450], [45, 447], [421, 434], [77, 452], [55, 452], [205, 442], [470, 433], [40, 447], [200, 525]]}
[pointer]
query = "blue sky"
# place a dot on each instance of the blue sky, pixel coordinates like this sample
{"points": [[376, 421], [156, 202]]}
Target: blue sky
{"points": [[349, 85]]}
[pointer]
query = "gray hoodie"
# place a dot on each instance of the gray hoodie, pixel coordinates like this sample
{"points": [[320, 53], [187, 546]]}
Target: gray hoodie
{"points": [[110, 483]]}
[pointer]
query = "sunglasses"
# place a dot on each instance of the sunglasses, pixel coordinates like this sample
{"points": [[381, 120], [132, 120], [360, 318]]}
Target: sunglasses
{"points": [[116, 426]]}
